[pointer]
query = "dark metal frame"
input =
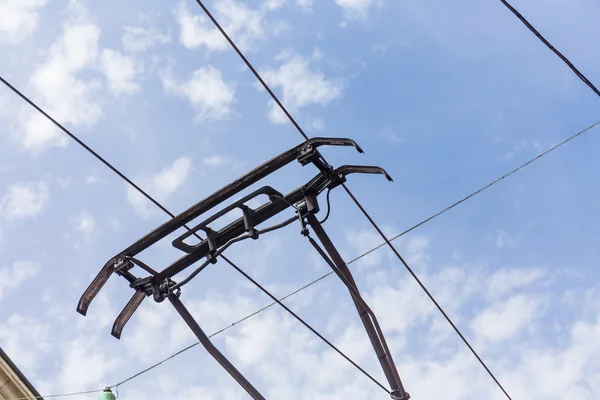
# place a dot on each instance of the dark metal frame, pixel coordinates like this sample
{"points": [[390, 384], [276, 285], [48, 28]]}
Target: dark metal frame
{"points": [[161, 285]]}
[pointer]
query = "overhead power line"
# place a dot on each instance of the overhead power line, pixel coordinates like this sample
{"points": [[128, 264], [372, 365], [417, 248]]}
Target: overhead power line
{"points": [[354, 199], [550, 46]]}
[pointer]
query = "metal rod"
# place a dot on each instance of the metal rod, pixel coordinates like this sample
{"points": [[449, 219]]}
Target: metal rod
{"points": [[367, 316], [212, 350]]}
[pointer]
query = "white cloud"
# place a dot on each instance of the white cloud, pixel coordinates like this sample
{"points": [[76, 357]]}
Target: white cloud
{"points": [[206, 90], [25, 340], [503, 320], [19, 19], [138, 39], [24, 200], [356, 8], [121, 71], [84, 364], [241, 23], [62, 85], [160, 186], [12, 277], [506, 280], [59, 89], [301, 85]]}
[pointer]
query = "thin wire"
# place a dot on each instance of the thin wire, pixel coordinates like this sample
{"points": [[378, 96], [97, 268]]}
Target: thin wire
{"points": [[550, 46]]}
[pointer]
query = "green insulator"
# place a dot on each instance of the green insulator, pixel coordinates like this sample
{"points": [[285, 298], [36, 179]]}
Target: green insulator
{"points": [[107, 395]]}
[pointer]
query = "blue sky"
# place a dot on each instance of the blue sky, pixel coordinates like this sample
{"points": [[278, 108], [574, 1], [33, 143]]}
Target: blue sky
{"points": [[445, 96]]}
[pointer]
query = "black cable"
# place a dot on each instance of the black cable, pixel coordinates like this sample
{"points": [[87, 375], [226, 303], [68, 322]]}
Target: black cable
{"points": [[120, 174], [274, 97], [328, 207], [550, 46]]}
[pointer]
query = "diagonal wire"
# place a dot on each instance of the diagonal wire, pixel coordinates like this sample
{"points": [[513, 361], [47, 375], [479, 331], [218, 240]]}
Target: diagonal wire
{"points": [[149, 197], [550, 46], [358, 204]]}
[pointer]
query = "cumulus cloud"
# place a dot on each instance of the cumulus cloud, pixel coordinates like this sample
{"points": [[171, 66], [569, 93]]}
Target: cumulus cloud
{"points": [[301, 84], [19, 19], [63, 86], [207, 92], [160, 186], [120, 70], [25, 339], [137, 39], [59, 88], [83, 364], [502, 321], [12, 277], [24, 200], [507, 280]]}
